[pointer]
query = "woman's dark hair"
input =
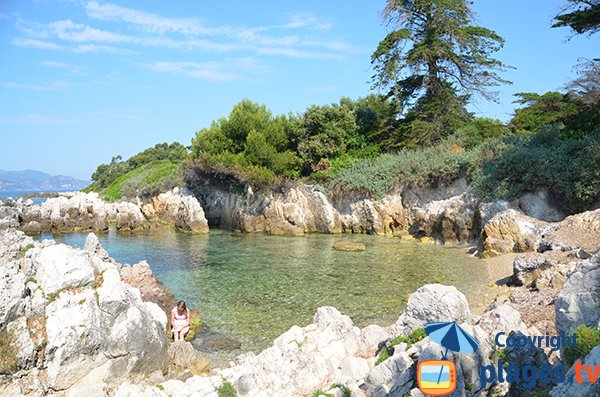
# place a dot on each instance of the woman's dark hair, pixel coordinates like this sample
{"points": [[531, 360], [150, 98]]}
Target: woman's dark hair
{"points": [[181, 305]]}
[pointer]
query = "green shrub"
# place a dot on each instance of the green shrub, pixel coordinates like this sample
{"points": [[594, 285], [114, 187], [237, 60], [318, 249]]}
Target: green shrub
{"points": [[542, 110], [251, 144], [568, 168], [479, 130], [320, 393], [226, 390], [23, 250], [587, 339], [378, 175], [346, 392], [145, 181], [107, 174], [413, 337], [539, 394]]}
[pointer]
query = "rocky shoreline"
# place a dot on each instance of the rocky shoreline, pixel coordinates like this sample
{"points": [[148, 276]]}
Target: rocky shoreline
{"points": [[79, 324], [447, 214], [79, 329], [86, 212]]}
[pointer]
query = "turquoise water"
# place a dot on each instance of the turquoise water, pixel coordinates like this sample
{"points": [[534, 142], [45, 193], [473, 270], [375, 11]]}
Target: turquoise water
{"points": [[253, 287]]}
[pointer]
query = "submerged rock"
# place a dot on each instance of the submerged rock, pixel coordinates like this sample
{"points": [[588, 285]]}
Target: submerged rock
{"points": [[350, 246]]}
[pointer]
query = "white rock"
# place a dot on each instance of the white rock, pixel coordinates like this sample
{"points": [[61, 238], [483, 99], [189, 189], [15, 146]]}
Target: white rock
{"points": [[430, 303], [60, 267], [578, 301]]}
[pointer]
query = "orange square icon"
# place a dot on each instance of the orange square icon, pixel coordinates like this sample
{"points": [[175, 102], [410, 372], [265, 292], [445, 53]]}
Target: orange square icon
{"points": [[436, 377]]}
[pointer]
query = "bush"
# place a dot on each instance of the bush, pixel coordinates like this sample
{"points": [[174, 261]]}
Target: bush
{"points": [[419, 166], [415, 336], [568, 168], [107, 174], [587, 339], [146, 181], [226, 390], [251, 145], [542, 110], [479, 130]]}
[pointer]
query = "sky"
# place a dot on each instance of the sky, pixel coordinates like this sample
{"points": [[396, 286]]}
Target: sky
{"points": [[82, 81]]}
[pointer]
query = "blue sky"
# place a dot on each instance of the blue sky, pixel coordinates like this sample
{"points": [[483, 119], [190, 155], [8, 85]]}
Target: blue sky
{"points": [[81, 81]]}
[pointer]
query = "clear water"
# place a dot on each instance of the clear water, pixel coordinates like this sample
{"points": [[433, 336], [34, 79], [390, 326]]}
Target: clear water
{"points": [[254, 287]]}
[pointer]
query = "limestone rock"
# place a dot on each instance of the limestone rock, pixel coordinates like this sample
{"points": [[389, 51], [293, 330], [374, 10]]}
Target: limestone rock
{"points": [[350, 246], [182, 357], [73, 316], [430, 303], [576, 231], [450, 220], [364, 215], [578, 302], [510, 231], [394, 377], [92, 244], [583, 389], [175, 208], [541, 205], [547, 270], [501, 318], [60, 267]]}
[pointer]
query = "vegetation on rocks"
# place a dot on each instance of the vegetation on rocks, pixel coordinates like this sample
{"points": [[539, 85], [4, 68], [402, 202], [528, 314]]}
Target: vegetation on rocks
{"points": [[418, 132], [415, 336], [226, 390], [587, 339], [149, 172]]}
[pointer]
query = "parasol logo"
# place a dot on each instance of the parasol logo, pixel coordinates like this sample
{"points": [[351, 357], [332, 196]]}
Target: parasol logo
{"points": [[438, 377]]}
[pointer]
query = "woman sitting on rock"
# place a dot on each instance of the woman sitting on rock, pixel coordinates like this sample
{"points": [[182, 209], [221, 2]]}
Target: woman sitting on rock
{"points": [[180, 321]]}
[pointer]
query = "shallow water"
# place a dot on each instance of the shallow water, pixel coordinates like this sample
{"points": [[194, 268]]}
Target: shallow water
{"points": [[253, 287]]}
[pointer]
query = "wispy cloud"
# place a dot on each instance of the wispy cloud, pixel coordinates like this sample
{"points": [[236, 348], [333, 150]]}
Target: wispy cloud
{"points": [[305, 20], [40, 44], [211, 71], [54, 86], [74, 69], [150, 23], [301, 36]]}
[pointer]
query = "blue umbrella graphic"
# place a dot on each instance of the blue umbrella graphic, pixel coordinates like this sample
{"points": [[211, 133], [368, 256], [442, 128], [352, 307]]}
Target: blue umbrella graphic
{"points": [[451, 336]]}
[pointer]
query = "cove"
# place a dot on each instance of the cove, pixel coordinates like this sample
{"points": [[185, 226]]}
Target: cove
{"points": [[254, 287]]}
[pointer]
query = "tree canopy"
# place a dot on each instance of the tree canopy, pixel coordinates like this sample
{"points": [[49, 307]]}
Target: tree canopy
{"points": [[583, 16], [433, 61]]}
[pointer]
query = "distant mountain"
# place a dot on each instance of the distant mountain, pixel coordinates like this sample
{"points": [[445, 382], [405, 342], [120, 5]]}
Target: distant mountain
{"points": [[30, 180]]}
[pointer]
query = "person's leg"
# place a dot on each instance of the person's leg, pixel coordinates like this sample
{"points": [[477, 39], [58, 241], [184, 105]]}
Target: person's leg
{"points": [[175, 336]]}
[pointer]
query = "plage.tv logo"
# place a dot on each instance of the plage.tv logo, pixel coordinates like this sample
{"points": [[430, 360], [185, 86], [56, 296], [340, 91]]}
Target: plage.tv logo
{"points": [[438, 377]]}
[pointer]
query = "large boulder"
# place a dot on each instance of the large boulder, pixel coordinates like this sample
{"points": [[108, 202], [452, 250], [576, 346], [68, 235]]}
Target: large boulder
{"points": [[394, 377], [365, 215], [578, 302], [430, 303], [510, 231], [501, 318], [546, 270], [450, 220], [78, 328], [179, 209], [574, 232], [541, 205]]}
